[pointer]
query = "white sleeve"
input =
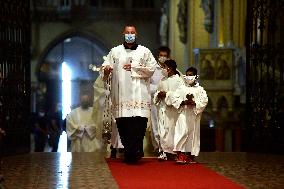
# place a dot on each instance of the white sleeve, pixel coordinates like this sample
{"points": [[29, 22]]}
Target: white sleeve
{"points": [[154, 81], [155, 97], [108, 61], [73, 129], [147, 68], [200, 99], [91, 130], [174, 98], [153, 88], [142, 72]]}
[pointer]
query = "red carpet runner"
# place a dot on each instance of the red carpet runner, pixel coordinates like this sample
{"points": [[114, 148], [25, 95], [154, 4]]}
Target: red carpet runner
{"points": [[151, 174]]}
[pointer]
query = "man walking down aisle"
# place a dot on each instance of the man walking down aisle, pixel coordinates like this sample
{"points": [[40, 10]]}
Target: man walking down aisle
{"points": [[130, 67]]}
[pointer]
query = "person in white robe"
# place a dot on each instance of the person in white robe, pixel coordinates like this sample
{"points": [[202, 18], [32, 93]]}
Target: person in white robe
{"points": [[130, 67], [190, 100], [163, 55], [167, 115], [81, 129]]}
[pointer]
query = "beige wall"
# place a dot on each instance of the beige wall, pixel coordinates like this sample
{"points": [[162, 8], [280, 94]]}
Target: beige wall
{"points": [[239, 22], [198, 36], [232, 30], [42, 35], [178, 48]]}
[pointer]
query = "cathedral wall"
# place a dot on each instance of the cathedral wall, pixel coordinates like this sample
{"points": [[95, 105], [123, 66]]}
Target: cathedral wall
{"points": [[231, 23], [239, 23], [49, 32], [177, 47], [42, 35], [198, 36]]}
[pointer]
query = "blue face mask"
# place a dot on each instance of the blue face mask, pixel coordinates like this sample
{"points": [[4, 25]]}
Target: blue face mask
{"points": [[129, 38]]}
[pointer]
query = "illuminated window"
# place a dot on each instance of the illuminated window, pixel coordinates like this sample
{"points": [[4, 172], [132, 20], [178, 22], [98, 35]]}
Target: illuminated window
{"points": [[66, 89]]}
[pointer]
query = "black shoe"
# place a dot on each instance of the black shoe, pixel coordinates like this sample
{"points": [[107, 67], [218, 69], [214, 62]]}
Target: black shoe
{"points": [[140, 155], [130, 160], [171, 157], [113, 153], [120, 150]]}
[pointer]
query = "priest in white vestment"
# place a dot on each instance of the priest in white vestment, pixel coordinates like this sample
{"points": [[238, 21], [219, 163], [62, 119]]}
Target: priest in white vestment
{"points": [[130, 67], [167, 115], [84, 133], [190, 100]]}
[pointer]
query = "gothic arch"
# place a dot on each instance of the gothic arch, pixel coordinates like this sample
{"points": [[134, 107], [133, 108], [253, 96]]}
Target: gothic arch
{"points": [[60, 38]]}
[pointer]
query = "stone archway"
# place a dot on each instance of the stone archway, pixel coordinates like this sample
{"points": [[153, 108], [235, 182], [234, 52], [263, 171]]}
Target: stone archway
{"points": [[69, 34], [77, 48], [73, 50]]}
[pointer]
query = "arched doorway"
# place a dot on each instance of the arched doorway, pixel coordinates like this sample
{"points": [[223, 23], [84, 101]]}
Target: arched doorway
{"points": [[63, 71]]}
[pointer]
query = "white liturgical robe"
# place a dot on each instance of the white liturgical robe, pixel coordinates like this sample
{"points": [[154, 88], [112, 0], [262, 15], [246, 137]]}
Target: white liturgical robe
{"points": [[155, 79], [130, 90], [167, 115], [187, 130], [82, 131]]}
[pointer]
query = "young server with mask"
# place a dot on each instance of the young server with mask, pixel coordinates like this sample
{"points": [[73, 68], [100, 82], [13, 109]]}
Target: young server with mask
{"points": [[167, 115], [130, 67], [163, 55], [190, 100]]}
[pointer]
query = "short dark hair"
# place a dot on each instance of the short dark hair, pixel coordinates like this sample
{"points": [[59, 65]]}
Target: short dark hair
{"points": [[171, 64], [192, 69], [164, 49], [129, 25]]}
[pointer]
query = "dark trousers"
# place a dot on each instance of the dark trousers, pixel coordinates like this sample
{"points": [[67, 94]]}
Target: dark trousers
{"points": [[54, 142], [40, 141], [132, 132]]}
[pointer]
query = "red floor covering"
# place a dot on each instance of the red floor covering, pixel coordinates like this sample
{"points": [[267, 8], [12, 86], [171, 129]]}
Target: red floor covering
{"points": [[151, 174]]}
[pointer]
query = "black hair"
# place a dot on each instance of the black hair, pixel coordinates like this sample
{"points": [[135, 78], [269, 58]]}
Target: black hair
{"points": [[164, 49], [129, 25], [172, 64], [192, 69]]}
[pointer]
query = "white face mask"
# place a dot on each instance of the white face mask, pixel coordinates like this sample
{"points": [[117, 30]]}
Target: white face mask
{"points": [[162, 59], [164, 72], [129, 38], [189, 79], [41, 114]]}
